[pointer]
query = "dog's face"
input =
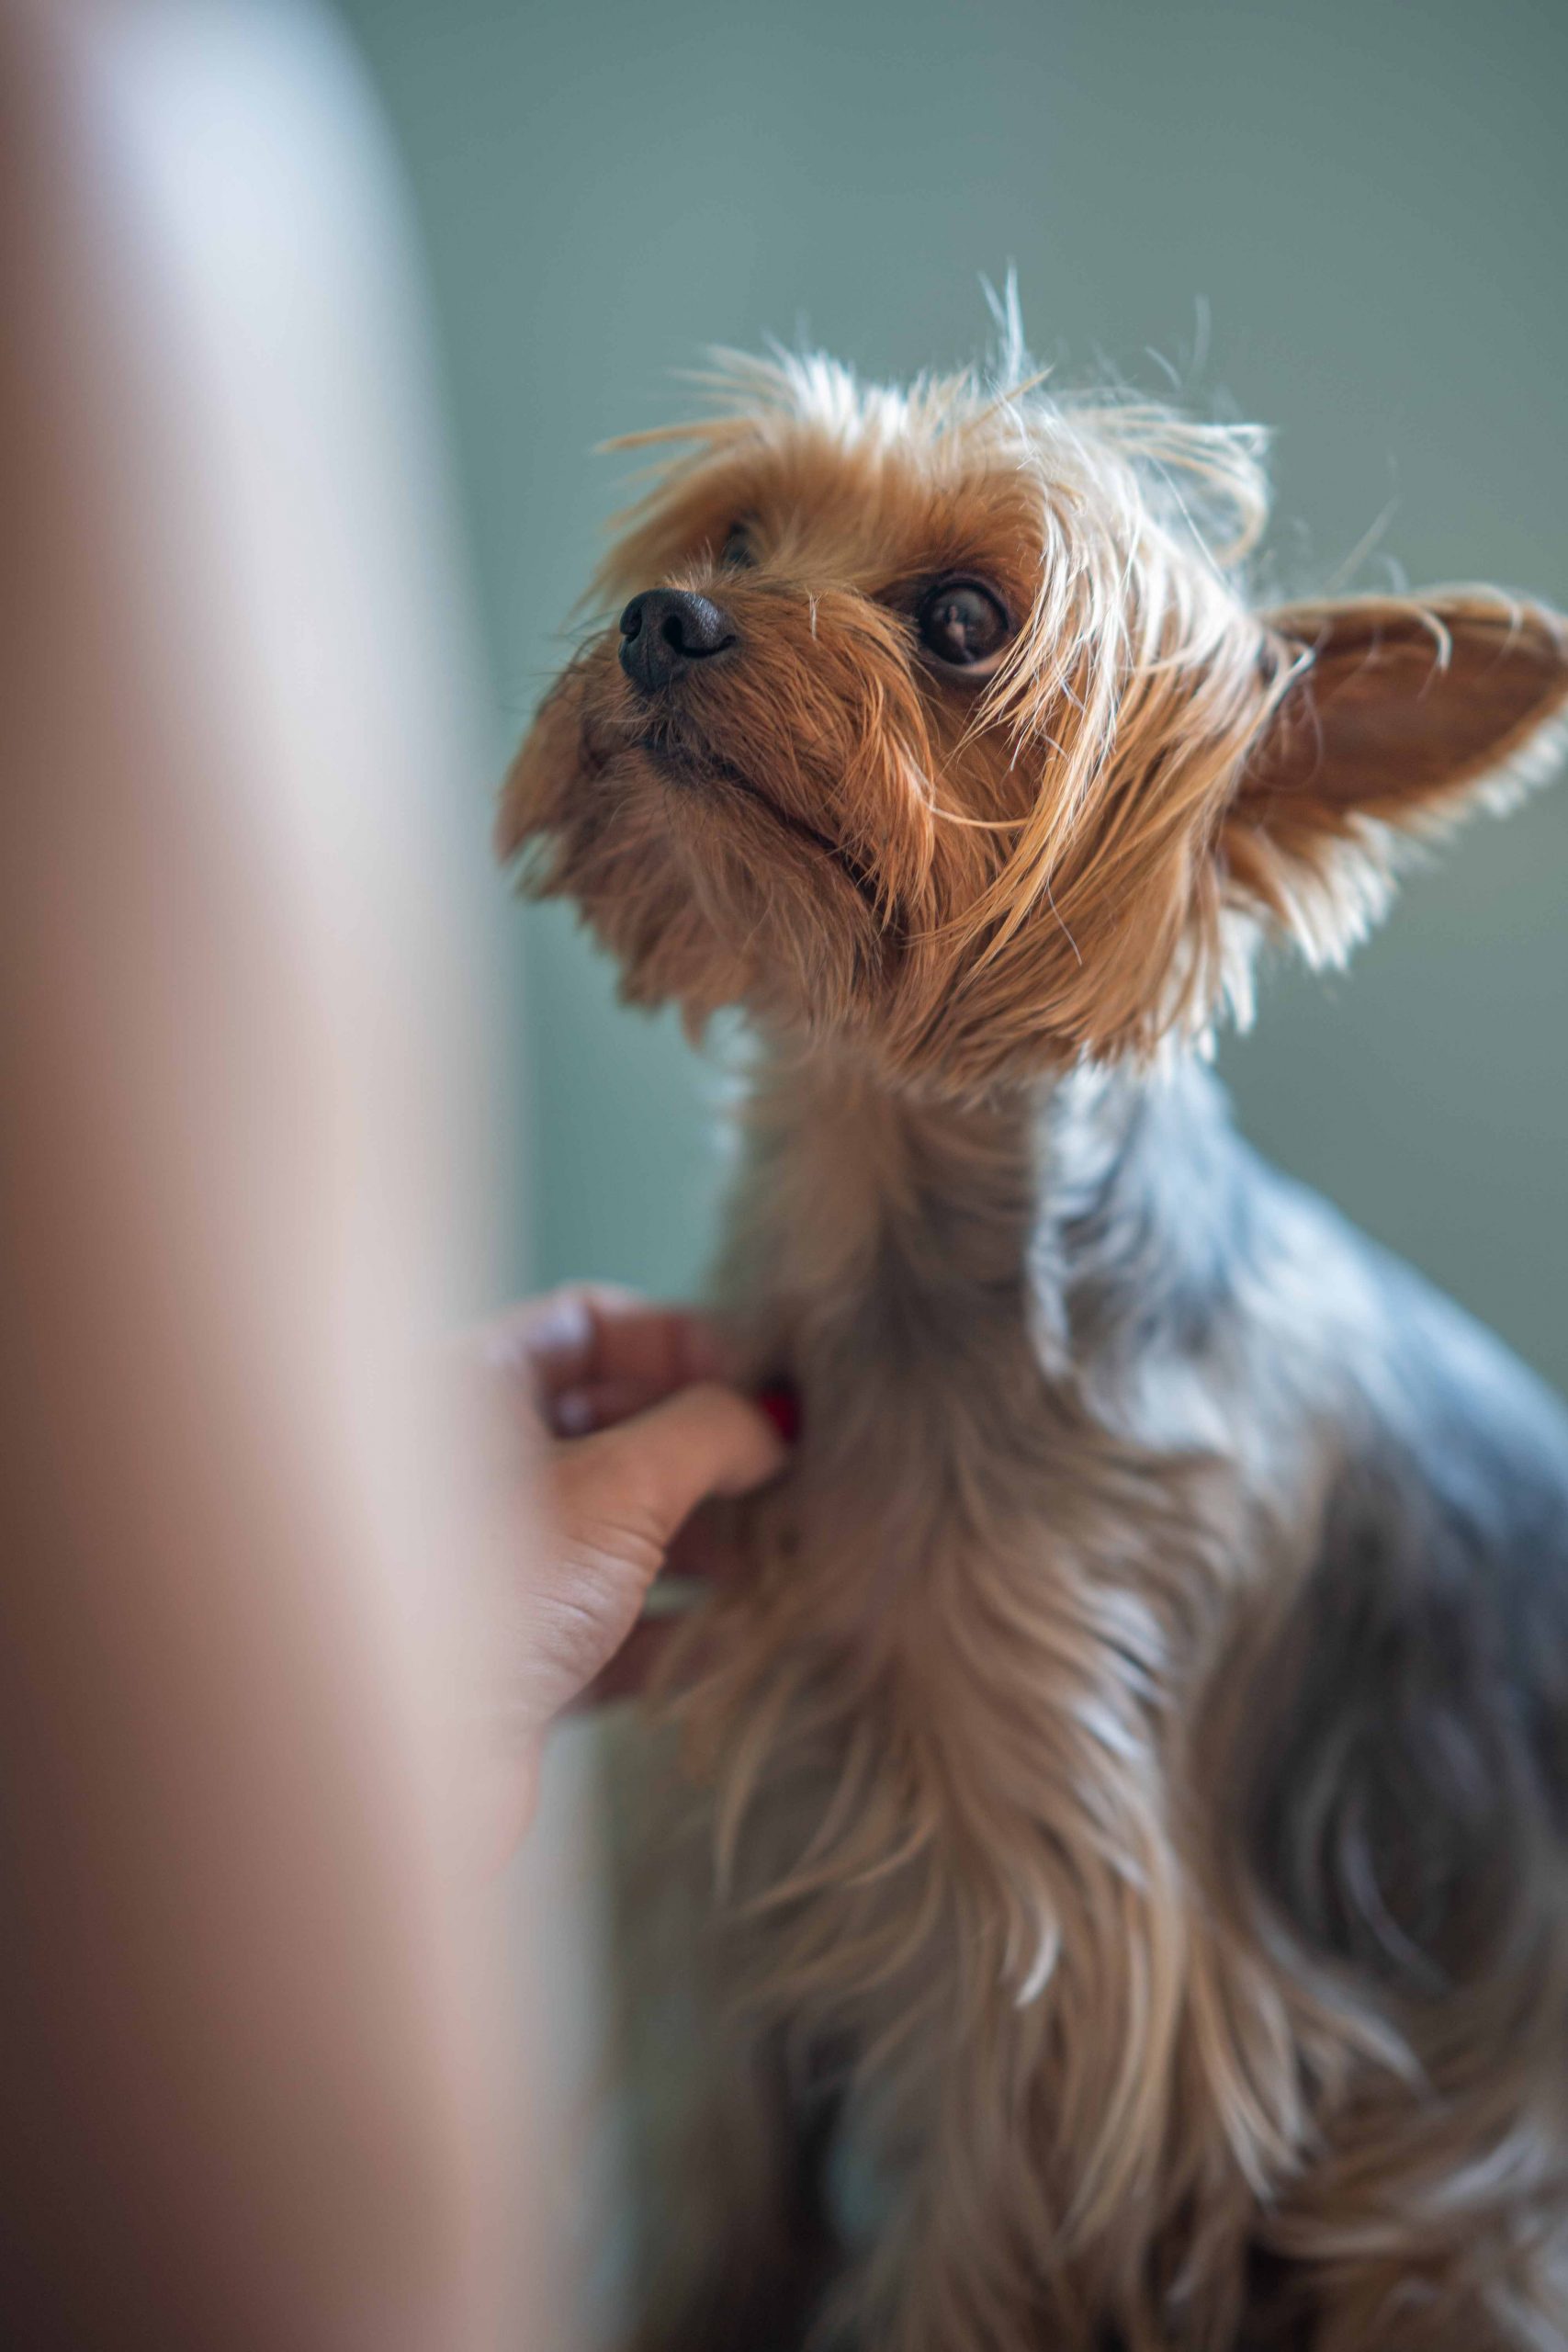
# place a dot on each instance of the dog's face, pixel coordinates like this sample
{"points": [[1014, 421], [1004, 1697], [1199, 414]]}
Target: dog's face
{"points": [[940, 722]]}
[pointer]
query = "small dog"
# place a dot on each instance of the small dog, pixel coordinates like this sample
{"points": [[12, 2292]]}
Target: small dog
{"points": [[1119, 1894]]}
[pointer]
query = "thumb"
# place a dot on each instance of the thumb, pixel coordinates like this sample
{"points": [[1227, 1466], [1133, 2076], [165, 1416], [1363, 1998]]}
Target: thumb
{"points": [[615, 1499], [648, 1475]]}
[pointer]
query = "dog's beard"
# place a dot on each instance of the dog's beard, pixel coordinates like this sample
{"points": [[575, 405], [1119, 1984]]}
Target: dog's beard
{"points": [[684, 766], [698, 871], [772, 843]]}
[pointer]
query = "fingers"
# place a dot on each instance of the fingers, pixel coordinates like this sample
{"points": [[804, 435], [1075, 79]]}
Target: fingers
{"points": [[605, 1349], [599, 1404], [662, 1436], [552, 1340], [617, 1499], [644, 1433], [650, 1473], [663, 1347]]}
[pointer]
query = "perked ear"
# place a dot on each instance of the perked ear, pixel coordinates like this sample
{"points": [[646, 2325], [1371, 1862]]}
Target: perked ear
{"points": [[1400, 713]]}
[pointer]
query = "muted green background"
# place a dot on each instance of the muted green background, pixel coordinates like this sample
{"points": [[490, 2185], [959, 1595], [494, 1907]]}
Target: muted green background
{"points": [[1368, 203]]}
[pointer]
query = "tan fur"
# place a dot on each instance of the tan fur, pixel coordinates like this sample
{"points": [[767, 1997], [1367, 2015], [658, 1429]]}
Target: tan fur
{"points": [[957, 1750]]}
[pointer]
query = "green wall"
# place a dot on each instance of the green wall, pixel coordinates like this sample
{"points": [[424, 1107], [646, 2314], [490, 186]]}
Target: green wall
{"points": [[1366, 201]]}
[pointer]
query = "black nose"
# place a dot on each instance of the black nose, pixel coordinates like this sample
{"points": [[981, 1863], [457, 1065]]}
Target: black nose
{"points": [[664, 630]]}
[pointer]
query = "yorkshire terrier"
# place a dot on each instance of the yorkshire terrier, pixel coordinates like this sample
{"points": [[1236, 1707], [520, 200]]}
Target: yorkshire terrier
{"points": [[1114, 1886]]}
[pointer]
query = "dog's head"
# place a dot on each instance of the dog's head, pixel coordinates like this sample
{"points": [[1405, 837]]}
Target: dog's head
{"points": [[940, 720]]}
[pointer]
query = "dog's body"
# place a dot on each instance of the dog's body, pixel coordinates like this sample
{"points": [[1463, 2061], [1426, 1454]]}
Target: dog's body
{"points": [[1159, 1719], [1114, 1886]]}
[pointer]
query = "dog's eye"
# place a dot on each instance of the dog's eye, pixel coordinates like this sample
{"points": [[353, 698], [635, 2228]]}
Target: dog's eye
{"points": [[737, 549], [962, 623]]}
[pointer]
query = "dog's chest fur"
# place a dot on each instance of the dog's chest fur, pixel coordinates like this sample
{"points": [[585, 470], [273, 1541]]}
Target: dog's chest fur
{"points": [[954, 1720]]}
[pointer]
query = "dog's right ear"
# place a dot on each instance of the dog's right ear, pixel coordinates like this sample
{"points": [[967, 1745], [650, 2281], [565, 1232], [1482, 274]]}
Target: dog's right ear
{"points": [[1399, 715]]}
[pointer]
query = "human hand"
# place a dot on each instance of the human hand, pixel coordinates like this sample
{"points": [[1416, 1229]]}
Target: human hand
{"points": [[617, 1416]]}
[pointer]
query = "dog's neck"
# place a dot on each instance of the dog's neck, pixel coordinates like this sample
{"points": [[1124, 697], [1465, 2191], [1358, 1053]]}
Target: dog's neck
{"points": [[985, 1563], [882, 1226], [856, 1193]]}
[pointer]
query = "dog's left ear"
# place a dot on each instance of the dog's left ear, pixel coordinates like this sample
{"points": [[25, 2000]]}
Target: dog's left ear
{"points": [[1399, 713]]}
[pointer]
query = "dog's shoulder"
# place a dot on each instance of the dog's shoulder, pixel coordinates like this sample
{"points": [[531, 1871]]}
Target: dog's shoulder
{"points": [[1415, 1779], [1449, 1510]]}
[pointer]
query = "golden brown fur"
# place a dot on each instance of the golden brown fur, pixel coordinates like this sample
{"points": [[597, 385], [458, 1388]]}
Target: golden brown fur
{"points": [[984, 2027], [1076, 859]]}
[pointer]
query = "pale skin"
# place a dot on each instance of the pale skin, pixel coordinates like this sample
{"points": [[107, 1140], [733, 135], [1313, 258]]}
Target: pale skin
{"points": [[613, 1422]]}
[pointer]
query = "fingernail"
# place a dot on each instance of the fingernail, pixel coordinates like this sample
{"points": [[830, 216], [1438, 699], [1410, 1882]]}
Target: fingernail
{"points": [[571, 1414], [781, 1402]]}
